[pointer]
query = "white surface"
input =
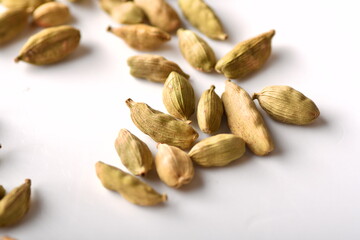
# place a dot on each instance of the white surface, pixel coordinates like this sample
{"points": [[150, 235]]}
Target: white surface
{"points": [[57, 121]]}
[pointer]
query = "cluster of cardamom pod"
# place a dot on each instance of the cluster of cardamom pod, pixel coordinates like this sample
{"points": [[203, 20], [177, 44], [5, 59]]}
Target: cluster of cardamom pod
{"points": [[49, 45], [149, 25]]}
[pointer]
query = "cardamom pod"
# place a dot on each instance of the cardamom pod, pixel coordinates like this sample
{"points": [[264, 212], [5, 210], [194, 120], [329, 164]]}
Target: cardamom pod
{"points": [[134, 153], [15, 204], [51, 14], [196, 51], [141, 37], [7, 238], [2, 192], [160, 14], [127, 13], [173, 166], [108, 5], [50, 45], [28, 5], [218, 150], [201, 16], [287, 105], [153, 67], [247, 56], [209, 111], [12, 23], [128, 186], [178, 96], [245, 120], [161, 127]]}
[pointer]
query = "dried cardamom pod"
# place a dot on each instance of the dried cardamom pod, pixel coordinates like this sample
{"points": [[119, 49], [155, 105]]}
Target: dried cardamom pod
{"points": [[15, 204], [2, 192], [51, 14], [128, 186], [245, 120], [178, 96], [127, 13], [108, 5], [196, 51], [173, 166], [12, 23], [201, 16], [134, 153], [28, 5], [141, 37], [160, 14], [209, 111], [50, 45], [218, 150], [153, 67], [287, 105], [247, 56], [161, 127]]}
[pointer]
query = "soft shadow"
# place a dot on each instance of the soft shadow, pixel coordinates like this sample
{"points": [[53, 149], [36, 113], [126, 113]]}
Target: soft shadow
{"points": [[84, 3], [196, 183], [80, 52], [152, 176]]}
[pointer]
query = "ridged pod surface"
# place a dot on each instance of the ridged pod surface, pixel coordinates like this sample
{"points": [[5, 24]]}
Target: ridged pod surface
{"points": [[246, 57], [196, 51], [287, 105], [245, 120], [28, 5], [154, 68], [161, 127], [201, 16], [12, 23], [128, 186], [50, 45]]}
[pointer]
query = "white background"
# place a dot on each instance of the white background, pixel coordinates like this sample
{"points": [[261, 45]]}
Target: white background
{"points": [[57, 121]]}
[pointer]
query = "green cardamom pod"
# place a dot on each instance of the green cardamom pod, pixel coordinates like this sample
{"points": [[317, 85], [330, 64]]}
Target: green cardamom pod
{"points": [[161, 127], [153, 67], [134, 153], [15, 204], [12, 23], [127, 13], [51, 14], [218, 150], [160, 14], [201, 16], [28, 5], [141, 37], [247, 56], [245, 120], [173, 166], [210, 111], [287, 105], [2, 192], [196, 51], [178, 96], [50, 45], [128, 186]]}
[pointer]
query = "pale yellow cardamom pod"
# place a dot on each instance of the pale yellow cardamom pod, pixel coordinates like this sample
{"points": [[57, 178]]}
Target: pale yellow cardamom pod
{"points": [[201, 16], [287, 105], [127, 13], [218, 150], [161, 127], [178, 96], [51, 14], [134, 153], [246, 57], [153, 67], [160, 14], [12, 23], [173, 166], [2, 192], [15, 204], [210, 111], [128, 186], [141, 37], [50, 45], [28, 5], [196, 51], [245, 120]]}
